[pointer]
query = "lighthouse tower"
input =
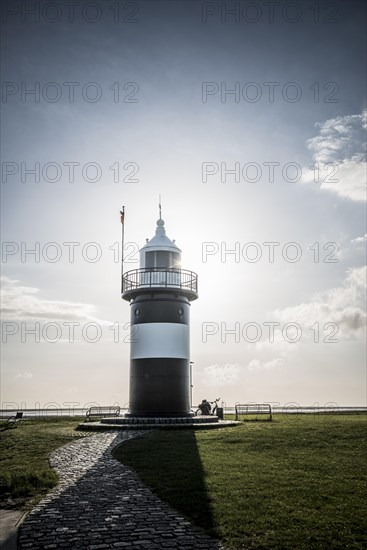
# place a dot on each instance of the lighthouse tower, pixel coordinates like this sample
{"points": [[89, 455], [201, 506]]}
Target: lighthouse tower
{"points": [[160, 293]]}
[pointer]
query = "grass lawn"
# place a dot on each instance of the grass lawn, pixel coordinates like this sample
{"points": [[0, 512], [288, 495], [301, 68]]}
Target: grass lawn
{"points": [[25, 474], [296, 483]]}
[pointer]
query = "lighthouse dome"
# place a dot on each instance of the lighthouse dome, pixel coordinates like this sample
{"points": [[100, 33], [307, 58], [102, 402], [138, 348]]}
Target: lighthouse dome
{"points": [[160, 251]]}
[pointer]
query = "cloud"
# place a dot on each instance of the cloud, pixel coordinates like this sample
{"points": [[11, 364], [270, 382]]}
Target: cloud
{"points": [[340, 138], [343, 306], [224, 375], [340, 141], [25, 375], [256, 364], [339, 312], [21, 303], [352, 251], [360, 240], [7, 280], [275, 341]]}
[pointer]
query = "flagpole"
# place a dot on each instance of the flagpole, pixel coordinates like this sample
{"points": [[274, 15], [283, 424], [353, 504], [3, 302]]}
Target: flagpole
{"points": [[122, 217]]}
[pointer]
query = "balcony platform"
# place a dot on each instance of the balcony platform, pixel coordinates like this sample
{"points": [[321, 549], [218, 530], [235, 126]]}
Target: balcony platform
{"points": [[148, 280]]}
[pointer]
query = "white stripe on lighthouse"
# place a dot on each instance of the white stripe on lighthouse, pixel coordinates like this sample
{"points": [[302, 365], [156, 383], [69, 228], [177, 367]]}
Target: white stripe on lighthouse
{"points": [[151, 340]]}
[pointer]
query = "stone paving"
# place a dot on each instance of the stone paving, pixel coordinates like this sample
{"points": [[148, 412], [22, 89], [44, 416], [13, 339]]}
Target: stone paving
{"points": [[100, 504]]}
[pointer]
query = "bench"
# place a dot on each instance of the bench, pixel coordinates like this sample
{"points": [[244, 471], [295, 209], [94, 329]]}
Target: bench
{"points": [[13, 421], [101, 412], [253, 409]]}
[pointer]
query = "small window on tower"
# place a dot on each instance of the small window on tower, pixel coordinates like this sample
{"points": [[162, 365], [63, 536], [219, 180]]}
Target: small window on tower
{"points": [[180, 311]]}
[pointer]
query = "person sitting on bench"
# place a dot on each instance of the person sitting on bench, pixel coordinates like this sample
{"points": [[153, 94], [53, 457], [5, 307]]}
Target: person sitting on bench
{"points": [[205, 407]]}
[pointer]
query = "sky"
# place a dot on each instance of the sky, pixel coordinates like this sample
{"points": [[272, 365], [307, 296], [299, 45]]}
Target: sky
{"points": [[249, 120]]}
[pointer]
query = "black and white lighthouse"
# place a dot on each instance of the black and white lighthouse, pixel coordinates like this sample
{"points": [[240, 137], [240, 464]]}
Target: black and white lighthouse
{"points": [[160, 293]]}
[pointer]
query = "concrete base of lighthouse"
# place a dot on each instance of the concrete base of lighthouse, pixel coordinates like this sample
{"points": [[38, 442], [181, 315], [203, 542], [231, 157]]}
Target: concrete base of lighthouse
{"points": [[157, 423], [134, 420]]}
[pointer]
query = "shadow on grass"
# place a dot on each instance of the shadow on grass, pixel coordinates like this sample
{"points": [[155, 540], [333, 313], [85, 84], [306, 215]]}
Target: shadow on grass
{"points": [[174, 471]]}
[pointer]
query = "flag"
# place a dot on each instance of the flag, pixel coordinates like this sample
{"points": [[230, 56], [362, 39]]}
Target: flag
{"points": [[122, 215]]}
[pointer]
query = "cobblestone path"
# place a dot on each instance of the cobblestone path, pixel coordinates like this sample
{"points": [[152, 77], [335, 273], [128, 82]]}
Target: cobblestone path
{"points": [[101, 504]]}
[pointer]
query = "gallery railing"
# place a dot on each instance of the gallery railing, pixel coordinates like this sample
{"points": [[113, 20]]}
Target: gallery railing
{"points": [[158, 277]]}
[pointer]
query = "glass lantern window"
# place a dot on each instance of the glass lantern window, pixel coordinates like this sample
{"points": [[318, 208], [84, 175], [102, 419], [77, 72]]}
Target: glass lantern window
{"points": [[162, 259]]}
